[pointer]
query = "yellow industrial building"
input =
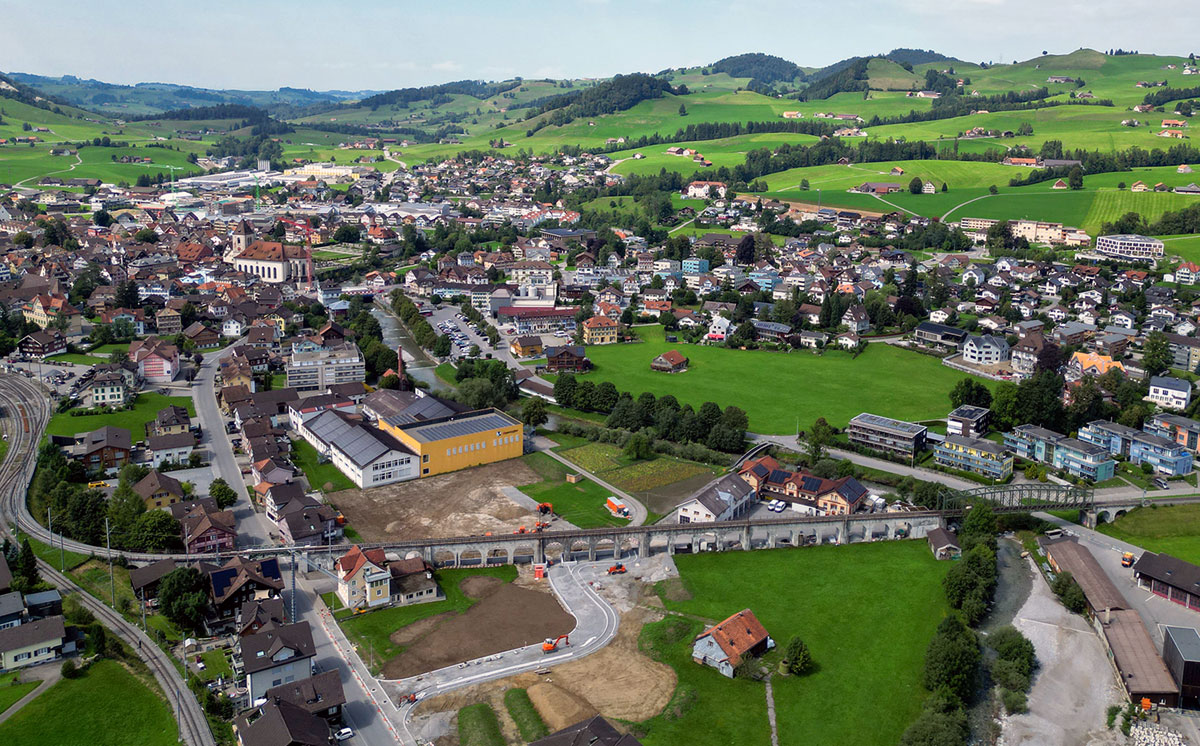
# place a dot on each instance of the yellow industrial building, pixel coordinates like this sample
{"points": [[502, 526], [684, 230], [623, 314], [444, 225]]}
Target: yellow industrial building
{"points": [[458, 441]]}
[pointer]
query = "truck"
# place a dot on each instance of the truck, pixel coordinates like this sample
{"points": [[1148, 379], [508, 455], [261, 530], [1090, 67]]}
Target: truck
{"points": [[1127, 559], [617, 507]]}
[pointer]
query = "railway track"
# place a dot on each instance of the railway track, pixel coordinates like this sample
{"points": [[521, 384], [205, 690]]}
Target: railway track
{"points": [[25, 410]]}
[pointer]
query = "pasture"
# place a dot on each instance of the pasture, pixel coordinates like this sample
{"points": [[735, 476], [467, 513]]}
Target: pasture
{"points": [[780, 391], [890, 592]]}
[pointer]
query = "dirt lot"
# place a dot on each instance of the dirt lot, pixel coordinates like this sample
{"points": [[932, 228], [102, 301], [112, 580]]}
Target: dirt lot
{"points": [[506, 617], [618, 682], [457, 504], [1074, 684]]}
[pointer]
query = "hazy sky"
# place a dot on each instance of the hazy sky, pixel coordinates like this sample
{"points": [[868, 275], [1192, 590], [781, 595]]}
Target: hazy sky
{"points": [[382, 45]]}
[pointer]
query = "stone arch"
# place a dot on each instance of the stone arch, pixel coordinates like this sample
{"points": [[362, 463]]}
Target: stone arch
{"points": [[525, 553], [498, 555], [470, 558], [607, 546], [444, 558]]}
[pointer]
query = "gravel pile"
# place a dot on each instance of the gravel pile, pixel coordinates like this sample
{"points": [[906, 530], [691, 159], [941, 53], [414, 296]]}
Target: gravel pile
{"points": [[1145, 734]]}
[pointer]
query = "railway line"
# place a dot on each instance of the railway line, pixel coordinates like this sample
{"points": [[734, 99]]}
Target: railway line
{"points": [[24, 411]]}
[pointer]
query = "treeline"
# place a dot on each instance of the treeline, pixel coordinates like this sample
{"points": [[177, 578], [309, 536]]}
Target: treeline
{"points": [[853, 77], [1164, 96], [765, 68], [1096, 162], [949, 107], [59, 494], [248, 149], [710, 426], [405, 96], [618, 94], [378, 357], [424, 334], [219, 111]]}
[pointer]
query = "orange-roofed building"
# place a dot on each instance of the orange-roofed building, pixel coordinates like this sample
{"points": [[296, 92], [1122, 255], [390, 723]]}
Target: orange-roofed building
{"points": [[363, 578], [1187, 273], [1091, 364], [726, 644]]}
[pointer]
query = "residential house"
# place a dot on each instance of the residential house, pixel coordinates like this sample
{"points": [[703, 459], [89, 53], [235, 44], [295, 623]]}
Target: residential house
{"points": [[1170, 393], [105, 449], [43, 344], [158, 490], [231, 585], [170, 449], [670, 361], [32, 643], [943, 544], [600, 330], [725, 645], [985, 350], [276, 656], [568, 358], [726, 499], [526, 346], [973, 455], [885, 434], [208, 531]]}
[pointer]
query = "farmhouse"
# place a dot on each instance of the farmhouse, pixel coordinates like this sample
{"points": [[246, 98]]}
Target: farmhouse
{"points": [[725, 645], [724, 500], [705, 189], [670, 361], [568, 358]]}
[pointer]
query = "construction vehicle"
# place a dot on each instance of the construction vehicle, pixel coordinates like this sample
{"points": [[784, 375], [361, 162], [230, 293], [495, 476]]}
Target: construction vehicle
{"points": [[617, 569], [408, 698], [521, 530], [540, 526], [616, 507], [1127, 559], [551, 643], [545, 509]]}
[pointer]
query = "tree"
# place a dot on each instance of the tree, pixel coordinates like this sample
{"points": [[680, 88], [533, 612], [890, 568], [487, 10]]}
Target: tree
{"points": [[682, 110], [146, 235], [938, 729], [126, 295], [1156, 355], [442, 347], [952, 659], [970, 392], [26, 572], [102, 218], [182, 597], [1069, 592], [819, 436], [1075, 178], [745, 250], [533, 412], [979, 527], [348, 233], [638, 447], [993, 190], [156, 531], [799, 660], [915, 186], [224, 495], [564, 389]]}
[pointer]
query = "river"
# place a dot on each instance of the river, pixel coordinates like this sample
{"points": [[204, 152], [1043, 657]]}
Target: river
{"points": [[416, 362]]}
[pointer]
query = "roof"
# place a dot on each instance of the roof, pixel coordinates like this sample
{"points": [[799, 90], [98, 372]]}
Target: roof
{"points": [[1073, 557], [363, 445], [350, 562], [1170, 570], [11, 604], [240, 570], [940, 537], [259, 649], [458, 425], [156, 481], [737, 635], [673, 358], [314, 694], [1187, 641], [38, 631], [1172, 384], [1142, 670], [887, 423], [141, 577], [723, 494], [5, 573], [969, 412], [595, 731], [281, 723]]}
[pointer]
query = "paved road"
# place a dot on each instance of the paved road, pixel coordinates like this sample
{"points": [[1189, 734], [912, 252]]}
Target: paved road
{"points": [[47, 675], [253, 528], [368, 710], [597, 623]]}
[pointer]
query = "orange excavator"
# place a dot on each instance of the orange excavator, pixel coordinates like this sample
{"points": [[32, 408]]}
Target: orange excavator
{"points": [[540, 526], [408, 698], [551, 644], [617, 569], [545, 509], [521, 530]]}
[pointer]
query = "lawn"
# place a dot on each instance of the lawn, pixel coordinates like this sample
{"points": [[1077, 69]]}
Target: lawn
{"points": [[607, 461], [1174, 530], [867, 613], [76, 358], [581, 503], [54, 555], [371, 632], [216, 664], [319, 475], [780, 391], [11, 690], [106, 706], [134, 420]]}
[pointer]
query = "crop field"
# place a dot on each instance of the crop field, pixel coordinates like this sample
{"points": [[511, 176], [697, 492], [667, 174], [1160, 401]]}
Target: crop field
{"points": [[778, 390], [606, 461], [890, 591], [1174, 530]]}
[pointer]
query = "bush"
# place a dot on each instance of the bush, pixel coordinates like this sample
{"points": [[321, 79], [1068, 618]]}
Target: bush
{"points": [[1069, 592], [1014, 702], [937, 729], [799, 660], [1111, 717], [1008, 675], [69, 669]]}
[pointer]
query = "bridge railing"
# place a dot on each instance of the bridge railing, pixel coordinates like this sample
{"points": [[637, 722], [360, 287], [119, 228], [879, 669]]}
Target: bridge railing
{"points": [[1013, 497]]}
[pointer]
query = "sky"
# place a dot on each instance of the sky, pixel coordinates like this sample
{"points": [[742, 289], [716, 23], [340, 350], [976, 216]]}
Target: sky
{"points": [[381, 45]]}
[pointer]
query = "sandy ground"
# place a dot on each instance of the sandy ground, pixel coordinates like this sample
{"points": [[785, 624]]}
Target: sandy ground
{"points": [[465, 502], [507, 616], [1074, 685], [618, 682]]}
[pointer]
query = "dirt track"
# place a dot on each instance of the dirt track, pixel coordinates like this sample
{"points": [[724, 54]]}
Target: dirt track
{"points": [[505, 617], [457, 504]]}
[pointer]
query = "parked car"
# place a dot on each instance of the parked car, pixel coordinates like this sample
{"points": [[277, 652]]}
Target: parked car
{"points": [[1160, 483], [344, 734]]}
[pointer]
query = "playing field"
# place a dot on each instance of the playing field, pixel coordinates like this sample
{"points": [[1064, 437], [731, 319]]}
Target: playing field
{"points": [[778, 389], [867, 613]]}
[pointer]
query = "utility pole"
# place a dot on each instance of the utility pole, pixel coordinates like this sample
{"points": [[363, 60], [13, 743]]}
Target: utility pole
{"points": [[112, 586], [142, 599], [295, 558]]}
